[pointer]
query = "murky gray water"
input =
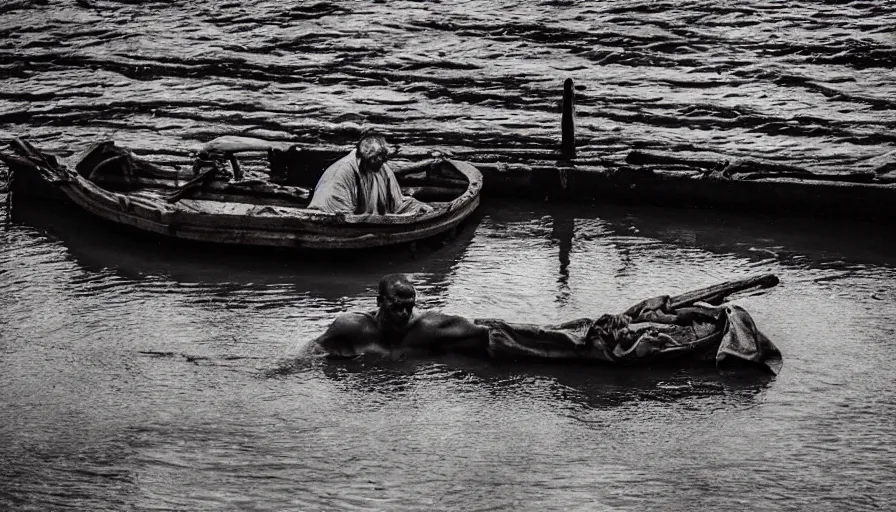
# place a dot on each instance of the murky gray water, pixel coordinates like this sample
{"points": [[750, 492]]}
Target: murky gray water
{"points": [[142, 376], [135, 377]]}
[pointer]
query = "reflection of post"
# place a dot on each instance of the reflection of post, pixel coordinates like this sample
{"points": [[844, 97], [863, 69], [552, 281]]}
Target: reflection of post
{"points": [[563, 231], [7, 189], [564, 228], [567, 121]]}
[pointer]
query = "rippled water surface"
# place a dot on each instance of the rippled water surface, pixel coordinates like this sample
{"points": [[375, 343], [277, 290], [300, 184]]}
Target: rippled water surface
{"points": [[136, 375], [140, 377], [806, 83]]}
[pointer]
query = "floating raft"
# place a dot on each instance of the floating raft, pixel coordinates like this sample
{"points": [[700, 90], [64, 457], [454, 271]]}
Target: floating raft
{"points": [[694, 328], [219, 201]]}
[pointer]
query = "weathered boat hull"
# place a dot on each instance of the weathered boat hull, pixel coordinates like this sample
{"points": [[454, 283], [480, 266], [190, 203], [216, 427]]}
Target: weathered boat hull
{"points": [[225, 213]]}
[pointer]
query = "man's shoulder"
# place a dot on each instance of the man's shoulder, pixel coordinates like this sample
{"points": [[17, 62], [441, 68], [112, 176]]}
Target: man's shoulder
{"points": [[348, 163], [434, 318], [441, 331], [357, 316], [429, 314], [354, 319]]}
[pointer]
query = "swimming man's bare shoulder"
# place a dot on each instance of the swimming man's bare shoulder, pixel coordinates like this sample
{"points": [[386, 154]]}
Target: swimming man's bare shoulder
{"points": [[347, 333], [441, 331]]}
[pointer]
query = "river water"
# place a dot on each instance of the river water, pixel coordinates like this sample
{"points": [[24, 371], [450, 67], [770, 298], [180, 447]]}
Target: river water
{"points": [[146, 376], [806, 83], [137, 377]]}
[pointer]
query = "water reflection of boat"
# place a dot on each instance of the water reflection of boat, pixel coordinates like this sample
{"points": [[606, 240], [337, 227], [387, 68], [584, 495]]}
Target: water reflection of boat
{"points": [[101, 247], [220, 202]]}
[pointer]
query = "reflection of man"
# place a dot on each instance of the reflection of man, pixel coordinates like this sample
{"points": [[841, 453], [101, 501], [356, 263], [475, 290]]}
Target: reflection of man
{"points": [[363, 183], [396, 329]]}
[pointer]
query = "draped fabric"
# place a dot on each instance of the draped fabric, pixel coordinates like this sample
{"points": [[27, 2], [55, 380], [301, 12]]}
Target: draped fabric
{"points": [[648, 333], [344, 188]]}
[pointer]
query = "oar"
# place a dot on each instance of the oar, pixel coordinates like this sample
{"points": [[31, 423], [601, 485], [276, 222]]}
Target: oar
{"points": [[30, 152], [716, 293], [190, 185]]}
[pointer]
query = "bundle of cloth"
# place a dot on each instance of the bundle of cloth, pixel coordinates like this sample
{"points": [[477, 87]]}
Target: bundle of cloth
{"points": [[649, 333]]}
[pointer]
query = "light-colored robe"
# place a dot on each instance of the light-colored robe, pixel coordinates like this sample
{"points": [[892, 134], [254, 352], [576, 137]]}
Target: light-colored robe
{"points": [[344, 188]]}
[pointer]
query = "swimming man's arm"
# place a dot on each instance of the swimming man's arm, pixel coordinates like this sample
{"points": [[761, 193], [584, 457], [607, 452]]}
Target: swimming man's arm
{"points": [[336, 341], [451, 333]]}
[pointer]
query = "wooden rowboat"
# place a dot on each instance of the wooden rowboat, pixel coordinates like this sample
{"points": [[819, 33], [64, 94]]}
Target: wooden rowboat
{"points": [[220, 201]]}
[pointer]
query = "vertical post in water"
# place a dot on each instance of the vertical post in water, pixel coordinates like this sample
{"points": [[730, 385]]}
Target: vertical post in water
{"points": [[235, 164], [568, 120]]}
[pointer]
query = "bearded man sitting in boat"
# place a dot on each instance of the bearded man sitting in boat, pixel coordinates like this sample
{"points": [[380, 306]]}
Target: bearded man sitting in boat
{"points": [[362, 182], [691, 328]]}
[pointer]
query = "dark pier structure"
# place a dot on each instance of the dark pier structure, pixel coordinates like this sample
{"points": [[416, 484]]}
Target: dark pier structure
{"points": [[670, 180], [563, 172]]}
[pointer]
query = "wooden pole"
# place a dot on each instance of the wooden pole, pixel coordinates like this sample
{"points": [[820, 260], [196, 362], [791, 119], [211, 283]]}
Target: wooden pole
{"points": [[716, 294], [235, 164], [567, 121], [192, 184]]}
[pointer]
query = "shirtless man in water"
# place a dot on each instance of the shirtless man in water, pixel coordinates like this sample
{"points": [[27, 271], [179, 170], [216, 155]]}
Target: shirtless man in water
{"points": [[396, 330]]}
